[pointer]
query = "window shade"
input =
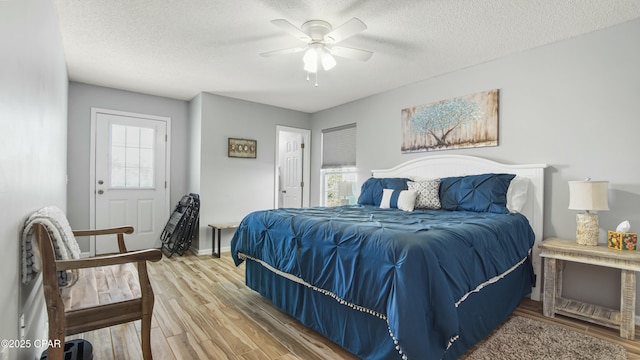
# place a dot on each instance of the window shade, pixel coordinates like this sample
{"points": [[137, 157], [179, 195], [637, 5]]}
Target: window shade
{"points": [[339, 147]]}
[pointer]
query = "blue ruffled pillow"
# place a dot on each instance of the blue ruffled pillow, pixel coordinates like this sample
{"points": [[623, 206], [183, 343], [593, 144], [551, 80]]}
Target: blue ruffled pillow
{"points": [[479, 193], [371, 190]]}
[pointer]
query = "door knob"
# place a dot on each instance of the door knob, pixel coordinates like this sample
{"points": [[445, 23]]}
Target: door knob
{"points": [[100, 182], [284, 191], [100, 192]]}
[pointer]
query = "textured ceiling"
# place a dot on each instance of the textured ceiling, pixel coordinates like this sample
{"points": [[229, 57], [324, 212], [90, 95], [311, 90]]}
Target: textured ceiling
{"points": [[178, 48]]}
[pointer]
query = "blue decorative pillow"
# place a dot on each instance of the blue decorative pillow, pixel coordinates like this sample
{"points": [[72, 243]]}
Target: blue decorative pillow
{"points": [[371, 190], [479, 193]]}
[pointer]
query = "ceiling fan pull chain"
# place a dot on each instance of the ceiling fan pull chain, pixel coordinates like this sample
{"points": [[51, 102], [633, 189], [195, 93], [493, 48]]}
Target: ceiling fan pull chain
{"points": [[316, 79]]}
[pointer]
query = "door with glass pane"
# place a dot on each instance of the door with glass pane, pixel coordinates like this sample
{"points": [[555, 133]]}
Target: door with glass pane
{"points": [[130, 178]]}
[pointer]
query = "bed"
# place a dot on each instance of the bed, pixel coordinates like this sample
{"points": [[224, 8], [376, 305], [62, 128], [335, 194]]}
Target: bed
{"points": [[387, 281]]}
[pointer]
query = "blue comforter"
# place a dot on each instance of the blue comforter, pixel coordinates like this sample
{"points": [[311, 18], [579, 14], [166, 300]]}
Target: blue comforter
{"points": [[411, 269]]}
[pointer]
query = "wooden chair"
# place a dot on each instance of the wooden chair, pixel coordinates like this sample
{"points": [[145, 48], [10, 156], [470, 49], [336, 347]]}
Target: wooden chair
{"points": [[91, 302]]}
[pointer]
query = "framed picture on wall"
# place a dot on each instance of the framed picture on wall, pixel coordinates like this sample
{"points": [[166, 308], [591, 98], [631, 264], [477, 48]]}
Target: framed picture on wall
{"points": [[462, 122], [242, 148]]}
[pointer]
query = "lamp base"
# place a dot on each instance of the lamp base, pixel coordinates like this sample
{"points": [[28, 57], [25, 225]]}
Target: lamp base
{"points": [[587, 229]]}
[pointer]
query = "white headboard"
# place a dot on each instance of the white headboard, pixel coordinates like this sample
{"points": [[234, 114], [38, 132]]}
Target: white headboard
{"points": [[439, 166]]}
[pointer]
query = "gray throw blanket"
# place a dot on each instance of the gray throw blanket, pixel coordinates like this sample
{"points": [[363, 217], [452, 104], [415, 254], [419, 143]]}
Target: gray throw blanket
{"points": [[64, 243]]}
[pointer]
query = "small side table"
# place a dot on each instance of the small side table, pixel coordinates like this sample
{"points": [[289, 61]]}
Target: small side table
{"points": [[218, 228], [555, 251]]}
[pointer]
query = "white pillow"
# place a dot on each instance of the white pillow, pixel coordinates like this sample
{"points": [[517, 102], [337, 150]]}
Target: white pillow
{"points": [[517, 194], [428, 193], [401, 199]]}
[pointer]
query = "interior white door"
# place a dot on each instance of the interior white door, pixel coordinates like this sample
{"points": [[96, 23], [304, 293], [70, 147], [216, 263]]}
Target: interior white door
{"points": [[291, 182], [130, 178]]}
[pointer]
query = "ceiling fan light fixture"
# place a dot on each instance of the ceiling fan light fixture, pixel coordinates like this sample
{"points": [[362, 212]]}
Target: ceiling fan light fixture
{"points": [[321, 39], [328, 61], [310, 60]]}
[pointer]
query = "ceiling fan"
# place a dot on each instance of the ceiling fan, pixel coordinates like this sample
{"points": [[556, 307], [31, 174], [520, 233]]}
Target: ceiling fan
{"points": [[321, 41]]}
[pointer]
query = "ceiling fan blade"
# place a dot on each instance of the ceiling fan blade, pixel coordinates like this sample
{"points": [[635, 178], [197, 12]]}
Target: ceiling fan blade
{"points": [[345, 30], [291, 29], [351, 53], [283, 52]]}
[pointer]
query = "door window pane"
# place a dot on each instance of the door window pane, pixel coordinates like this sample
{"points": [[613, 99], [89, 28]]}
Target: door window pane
{"points": [[132, 177], [118, 156], [132, 157], [117, 176], [146, 177], [146, 138], [118, 135], [146, 158], [133, 136]]}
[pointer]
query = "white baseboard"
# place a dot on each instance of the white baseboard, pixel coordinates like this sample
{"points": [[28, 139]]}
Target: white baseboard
{"points": [[209, 251]]}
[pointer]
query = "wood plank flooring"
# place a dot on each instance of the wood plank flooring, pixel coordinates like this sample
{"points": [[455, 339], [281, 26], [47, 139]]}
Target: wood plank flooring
{"points": [[203, 310]]}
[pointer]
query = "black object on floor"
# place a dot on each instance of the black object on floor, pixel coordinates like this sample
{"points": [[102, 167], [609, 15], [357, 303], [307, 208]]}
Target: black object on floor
{"points": [[74, 350], [182, 226]]}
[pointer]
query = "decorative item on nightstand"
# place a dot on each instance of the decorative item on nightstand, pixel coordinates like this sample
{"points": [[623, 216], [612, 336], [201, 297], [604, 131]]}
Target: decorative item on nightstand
{"points": [[589, 196], [345, 189], [622, 239]]}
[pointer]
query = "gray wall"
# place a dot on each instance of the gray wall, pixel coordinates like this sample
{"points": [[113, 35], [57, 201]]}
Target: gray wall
{"points": [[230, 188], [573, 105], [33, 149], [82, 98], [194, 127]]}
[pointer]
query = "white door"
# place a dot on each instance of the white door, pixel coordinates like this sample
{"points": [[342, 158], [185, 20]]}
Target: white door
{"points": [[284, 174], [130, 177], [291, 158]]}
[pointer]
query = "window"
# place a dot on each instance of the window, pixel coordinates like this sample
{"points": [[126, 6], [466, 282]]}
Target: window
{"points": [[339, 165], [132, 156], [339, 186]]}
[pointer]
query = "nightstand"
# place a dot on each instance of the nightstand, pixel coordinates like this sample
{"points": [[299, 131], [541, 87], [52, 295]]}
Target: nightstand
{"points": [[219, 228], [555, 251]]}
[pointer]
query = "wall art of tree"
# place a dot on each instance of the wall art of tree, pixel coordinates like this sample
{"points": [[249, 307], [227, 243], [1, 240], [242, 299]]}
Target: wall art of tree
{"points": [[469, 121]]}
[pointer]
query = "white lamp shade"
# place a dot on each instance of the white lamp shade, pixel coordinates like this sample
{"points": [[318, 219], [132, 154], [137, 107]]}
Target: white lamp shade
{"points": [[588, 195], [345, 188], [310, 60], [328, 62]]}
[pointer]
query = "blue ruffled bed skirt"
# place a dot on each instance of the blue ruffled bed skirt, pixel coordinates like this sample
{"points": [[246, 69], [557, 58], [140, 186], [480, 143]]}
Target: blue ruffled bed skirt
{"points": [[366, 335]]}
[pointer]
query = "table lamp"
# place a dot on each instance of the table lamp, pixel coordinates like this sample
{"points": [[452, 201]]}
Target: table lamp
{"points": [[589, 196], [345, 189]]}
